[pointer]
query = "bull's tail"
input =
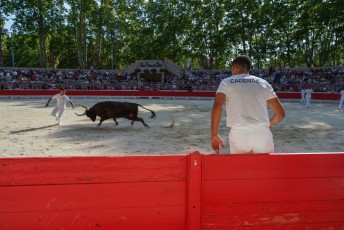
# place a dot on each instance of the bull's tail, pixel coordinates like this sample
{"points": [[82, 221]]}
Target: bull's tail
{"points": [[153, 113]]}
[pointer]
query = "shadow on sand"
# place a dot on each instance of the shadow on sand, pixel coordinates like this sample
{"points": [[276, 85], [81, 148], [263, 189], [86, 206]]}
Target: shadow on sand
{"points": [[32, 129]]}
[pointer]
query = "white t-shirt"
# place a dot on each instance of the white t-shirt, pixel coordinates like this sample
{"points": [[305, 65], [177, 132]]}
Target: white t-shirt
{"points": [[61, 100], [246, 100], [308, 92], [342, 94], [303, 93]]}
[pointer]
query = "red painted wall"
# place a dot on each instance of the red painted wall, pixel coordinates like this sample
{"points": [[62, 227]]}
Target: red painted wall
{"points": [[296, 191], [282, 95], [273, 191]]}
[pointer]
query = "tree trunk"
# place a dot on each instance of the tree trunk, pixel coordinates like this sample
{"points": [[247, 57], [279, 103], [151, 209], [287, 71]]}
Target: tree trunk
{"points": [[80, 36], [98, 45], [42, 43], [243, 33]]}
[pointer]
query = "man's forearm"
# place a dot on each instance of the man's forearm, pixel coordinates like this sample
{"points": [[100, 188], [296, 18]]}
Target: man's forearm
{"points": [[48, 102], [275, 119], [215, 119]]}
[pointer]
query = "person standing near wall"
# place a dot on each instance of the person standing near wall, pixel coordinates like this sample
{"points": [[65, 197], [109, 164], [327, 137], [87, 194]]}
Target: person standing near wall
{"points": [[247, 100], [61, 98], [302, 102], [341, 100], [308, 94]]}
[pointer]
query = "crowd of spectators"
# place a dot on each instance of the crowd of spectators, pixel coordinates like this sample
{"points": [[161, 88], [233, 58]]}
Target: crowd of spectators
{"points": [[322, 79], [325, 79], [70, 79]]}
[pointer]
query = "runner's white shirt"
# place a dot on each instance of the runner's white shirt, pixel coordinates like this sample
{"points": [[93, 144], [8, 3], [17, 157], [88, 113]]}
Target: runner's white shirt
{"points": [[342, 94], [61, 100], [308, 92], [246, 97], [303, 93]]}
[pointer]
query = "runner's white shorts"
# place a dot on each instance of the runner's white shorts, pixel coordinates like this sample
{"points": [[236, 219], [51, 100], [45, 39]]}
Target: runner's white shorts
{"points": [[57, 112], [257, 139]]}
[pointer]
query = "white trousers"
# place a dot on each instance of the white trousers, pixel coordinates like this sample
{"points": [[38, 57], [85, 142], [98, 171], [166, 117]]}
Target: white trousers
{"points": [[341, 103], [251, 140], [57, 112], [308, 101], [302, 102]]}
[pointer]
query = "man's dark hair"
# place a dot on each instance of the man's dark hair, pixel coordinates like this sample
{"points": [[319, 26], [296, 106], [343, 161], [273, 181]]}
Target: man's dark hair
{"points": [[62, 89], [243, 60]]}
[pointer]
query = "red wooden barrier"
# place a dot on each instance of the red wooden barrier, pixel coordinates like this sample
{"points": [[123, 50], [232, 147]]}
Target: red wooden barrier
{"points": [[93, 193], [297, 191], [132, 93], [273, 191]]}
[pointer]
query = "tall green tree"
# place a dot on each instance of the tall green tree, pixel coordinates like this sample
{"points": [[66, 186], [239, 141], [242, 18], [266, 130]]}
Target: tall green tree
{"points": [[319, 33], [114, 33], [165, 24], [78, 17], [5, 10], [38, 18]]}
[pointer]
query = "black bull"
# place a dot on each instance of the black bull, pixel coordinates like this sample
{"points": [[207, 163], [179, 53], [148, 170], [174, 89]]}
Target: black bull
{"points": [[112, 109]]}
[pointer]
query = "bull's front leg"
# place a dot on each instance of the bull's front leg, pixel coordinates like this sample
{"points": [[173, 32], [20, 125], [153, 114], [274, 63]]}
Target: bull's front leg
{"points": [[101, 121], [114, 119]]}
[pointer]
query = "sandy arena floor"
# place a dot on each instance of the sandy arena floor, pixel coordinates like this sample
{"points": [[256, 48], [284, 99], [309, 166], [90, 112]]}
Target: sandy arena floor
{"points": [[27, 129]]}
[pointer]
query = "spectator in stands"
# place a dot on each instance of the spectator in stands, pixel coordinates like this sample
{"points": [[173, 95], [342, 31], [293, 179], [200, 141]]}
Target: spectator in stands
{"points": [[247, 98], [325, 79]]}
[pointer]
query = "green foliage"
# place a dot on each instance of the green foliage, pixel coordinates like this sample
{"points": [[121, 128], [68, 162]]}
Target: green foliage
{"points": [[205, 33], [24, 52]]}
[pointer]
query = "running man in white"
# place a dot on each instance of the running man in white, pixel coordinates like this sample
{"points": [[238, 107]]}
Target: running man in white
{"points": [[308, 93], [61, 98], [341, 100], [303, 93], [247, 100]]}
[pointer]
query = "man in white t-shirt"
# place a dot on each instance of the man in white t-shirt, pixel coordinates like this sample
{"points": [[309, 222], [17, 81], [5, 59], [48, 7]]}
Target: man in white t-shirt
{"points": [[60, 106], [247, 100], [341, 100], [308, 94]]}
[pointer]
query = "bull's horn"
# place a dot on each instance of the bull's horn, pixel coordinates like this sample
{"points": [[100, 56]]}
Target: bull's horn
{"points": [[84, 112], [81, 114]]}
